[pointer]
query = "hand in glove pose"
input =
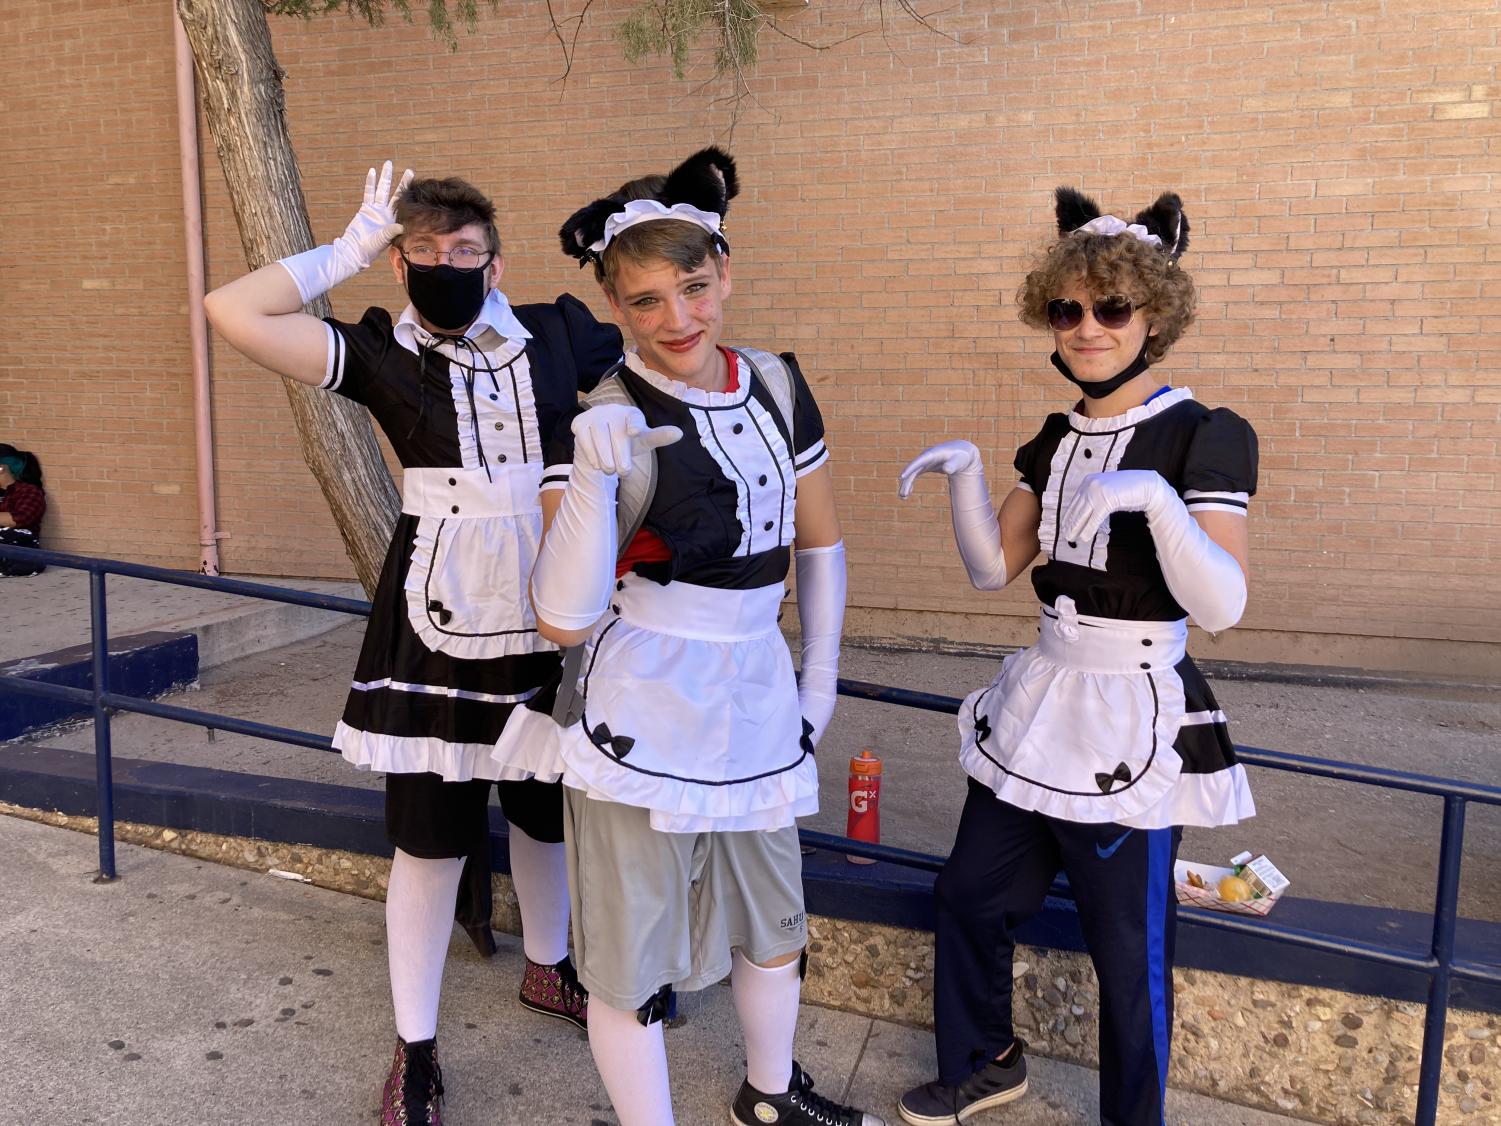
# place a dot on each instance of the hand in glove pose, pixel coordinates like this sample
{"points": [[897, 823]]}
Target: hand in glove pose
{"points": [[369, 233], [261, 314], [1206, 579], [571, 585], [976, 530]]}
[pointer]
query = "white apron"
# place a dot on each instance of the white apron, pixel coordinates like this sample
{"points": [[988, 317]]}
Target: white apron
{"points": [[690, 710], [1081, 726], [477, 539]]}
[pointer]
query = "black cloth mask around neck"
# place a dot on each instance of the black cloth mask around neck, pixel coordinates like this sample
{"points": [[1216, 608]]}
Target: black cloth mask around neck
{"points": [[1106, 386], [447, 298]]}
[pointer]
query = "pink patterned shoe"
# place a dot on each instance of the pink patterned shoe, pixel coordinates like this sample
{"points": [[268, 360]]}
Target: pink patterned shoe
{"points": [[555, 991], [414, 1089]]}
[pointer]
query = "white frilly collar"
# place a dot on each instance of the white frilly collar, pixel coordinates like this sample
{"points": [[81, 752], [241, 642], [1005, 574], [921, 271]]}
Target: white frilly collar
{"points": [[1133, 417], [693, 396]]}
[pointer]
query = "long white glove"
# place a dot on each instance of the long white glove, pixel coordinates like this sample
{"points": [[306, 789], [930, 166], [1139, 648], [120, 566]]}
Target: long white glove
{"points": [[820, 606], [1204, 577], [576, 567], [976, 529], [371, 230]]}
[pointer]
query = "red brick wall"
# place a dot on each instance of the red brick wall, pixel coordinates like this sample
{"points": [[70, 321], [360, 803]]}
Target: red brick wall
{"points": [[94, 364], [1337, 160]]}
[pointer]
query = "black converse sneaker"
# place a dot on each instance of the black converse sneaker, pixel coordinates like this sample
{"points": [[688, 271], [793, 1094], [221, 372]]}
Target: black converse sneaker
{"points": [[796, 1106], [998, 1082]]}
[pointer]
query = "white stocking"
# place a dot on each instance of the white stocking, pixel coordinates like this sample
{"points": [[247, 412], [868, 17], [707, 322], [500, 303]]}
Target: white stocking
{"points": [[766, 1001], [632, 1061], [419, 922], [540, 873]]}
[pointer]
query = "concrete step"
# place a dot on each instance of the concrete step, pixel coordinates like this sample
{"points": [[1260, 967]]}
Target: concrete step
{"points": [[50, 612]]}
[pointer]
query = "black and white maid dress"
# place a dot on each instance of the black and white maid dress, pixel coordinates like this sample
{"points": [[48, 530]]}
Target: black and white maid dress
{"points": [[452, 645], [690, 703], [1106, 718]]}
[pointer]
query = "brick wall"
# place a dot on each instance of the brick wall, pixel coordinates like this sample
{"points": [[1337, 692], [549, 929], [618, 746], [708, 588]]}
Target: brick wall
{"points": [[1337, 160], [94, 363]]}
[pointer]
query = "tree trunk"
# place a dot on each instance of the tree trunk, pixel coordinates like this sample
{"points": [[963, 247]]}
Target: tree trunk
{"points": [[240, 84]]}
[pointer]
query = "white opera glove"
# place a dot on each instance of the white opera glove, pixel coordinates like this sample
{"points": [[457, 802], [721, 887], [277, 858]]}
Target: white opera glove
{"points": [[576, 567], [976, 529], [609, 436], [371, 230], [820, 607], [1204, 577]]}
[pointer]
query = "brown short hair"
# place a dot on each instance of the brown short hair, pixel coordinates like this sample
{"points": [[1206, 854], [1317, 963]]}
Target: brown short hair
{"points": [[1109, 264], [685, 245], [441, 207]]}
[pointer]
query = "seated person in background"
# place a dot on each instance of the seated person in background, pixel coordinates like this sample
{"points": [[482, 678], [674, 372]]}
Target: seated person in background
{"points": [[22, 506]]}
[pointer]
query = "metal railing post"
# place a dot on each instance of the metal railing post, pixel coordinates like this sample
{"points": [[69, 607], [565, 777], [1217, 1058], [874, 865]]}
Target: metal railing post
{"points": [[99, 641], [1445, 911]]}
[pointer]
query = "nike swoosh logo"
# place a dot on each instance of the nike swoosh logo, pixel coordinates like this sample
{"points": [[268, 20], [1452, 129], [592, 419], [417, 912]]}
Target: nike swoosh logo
{"points": [[1107, 852]]}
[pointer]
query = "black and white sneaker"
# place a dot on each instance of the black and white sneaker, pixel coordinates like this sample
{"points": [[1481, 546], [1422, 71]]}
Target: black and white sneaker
{"points": [[799, 1105], [998, 1082]]}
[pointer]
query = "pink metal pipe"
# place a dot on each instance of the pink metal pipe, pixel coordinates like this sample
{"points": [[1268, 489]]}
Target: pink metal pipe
{"points": [[192, 213]]}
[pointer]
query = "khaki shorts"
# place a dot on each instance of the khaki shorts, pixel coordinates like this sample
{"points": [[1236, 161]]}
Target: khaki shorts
{"points": [[653, 909]]}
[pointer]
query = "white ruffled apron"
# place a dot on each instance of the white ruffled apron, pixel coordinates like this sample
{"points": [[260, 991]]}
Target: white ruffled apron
{"points": [[478, 534], [690, 710], [1081, 726]]}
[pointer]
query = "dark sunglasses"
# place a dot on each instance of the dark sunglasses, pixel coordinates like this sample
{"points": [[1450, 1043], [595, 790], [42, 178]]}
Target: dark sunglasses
{"points": [[1109, 312]]}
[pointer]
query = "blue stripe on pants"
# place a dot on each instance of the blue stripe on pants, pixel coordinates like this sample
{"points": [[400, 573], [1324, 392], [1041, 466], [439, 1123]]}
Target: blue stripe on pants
{"points": [[1159, 887]]}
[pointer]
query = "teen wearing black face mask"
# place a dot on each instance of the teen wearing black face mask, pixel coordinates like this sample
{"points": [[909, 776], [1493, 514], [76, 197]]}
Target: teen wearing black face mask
{"points": [[447, 295], [468, 391]]}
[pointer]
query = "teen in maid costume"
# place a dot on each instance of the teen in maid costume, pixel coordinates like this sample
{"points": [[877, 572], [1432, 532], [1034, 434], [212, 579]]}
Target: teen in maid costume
{"points": [[688, 746], [467, 390], [1090, 750]]}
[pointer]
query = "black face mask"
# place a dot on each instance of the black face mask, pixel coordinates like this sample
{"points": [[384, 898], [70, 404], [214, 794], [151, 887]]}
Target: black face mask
{"points": [[447, 298], [1114, 383]]}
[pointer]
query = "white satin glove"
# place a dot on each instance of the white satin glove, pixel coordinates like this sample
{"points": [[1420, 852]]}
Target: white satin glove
{"points": [[820, 607], [609, 436], [371, 230], [576, 566], [976, 529], [1204, 577]]}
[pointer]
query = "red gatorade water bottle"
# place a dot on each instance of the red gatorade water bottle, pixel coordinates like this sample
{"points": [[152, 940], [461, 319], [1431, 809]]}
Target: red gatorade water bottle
{"points": [[865, 802]]}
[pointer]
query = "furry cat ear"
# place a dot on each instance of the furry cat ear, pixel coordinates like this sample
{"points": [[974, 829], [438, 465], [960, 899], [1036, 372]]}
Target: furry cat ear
{"points": [[1166, 220], [1074, 209], [585, 227], [707, 180]]}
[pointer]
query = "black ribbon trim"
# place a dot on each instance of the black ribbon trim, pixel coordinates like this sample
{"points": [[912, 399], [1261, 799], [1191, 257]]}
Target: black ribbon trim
{"points": [[656, 1007], [619, 745], [982, 728], [1122, 773]]}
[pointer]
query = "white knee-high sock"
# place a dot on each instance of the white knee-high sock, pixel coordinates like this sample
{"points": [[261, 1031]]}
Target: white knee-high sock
{"points": [[632, 1061], [540, 873], [419, 922], [766, 1001]]}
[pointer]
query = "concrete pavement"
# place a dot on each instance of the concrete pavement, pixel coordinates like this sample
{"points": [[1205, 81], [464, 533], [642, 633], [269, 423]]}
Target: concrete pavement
{"points": [[189, 993]]}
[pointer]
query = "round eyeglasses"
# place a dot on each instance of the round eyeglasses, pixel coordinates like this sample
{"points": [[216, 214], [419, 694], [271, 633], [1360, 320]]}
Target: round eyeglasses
{"points": [[461, 258]]}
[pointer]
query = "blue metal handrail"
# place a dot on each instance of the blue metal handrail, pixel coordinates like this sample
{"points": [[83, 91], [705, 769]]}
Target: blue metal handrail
{"points": [[1440, 964]]}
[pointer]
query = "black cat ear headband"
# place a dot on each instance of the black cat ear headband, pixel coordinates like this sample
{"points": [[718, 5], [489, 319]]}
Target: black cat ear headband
{"points": [[697, 191], [1163, 224]]}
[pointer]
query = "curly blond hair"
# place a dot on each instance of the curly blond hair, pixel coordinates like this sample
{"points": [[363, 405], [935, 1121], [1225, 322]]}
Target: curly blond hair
{"points": [[1106, 265]]}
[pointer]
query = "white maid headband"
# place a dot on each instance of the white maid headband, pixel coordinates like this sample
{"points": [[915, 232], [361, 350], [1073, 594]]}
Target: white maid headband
{"points": [[1112, 225], [648, 211]]}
